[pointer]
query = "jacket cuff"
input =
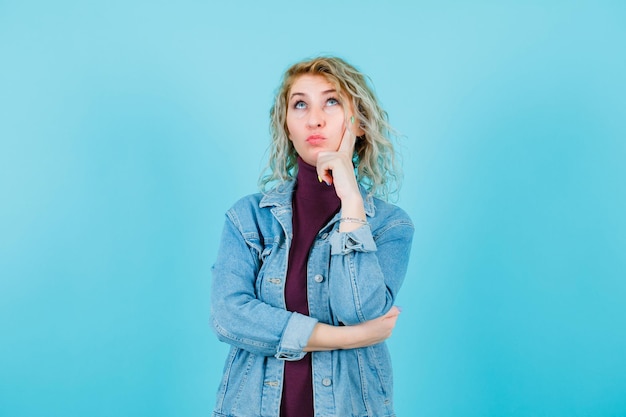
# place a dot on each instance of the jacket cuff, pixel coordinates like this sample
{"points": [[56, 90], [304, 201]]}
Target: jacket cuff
{"points": [[358, 240], [295, 337]]}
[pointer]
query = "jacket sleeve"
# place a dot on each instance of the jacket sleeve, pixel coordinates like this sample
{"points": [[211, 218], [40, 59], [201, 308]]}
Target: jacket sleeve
{"points": [[238, 317], [367, 269]]}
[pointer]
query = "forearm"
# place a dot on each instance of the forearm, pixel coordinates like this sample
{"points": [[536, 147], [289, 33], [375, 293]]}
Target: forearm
{"points": [[260, 328], [326, 337], [238, 316]]}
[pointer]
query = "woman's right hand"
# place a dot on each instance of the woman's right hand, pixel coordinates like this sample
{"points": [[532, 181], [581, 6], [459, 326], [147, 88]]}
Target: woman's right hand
{"points": [[371, 332]]}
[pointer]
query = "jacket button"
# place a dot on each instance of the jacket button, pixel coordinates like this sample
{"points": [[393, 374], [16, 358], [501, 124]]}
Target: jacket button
{"points": [[318, 278], [324, 236], [326, 382]]}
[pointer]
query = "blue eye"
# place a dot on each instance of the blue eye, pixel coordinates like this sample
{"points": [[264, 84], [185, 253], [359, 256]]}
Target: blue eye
{"points": [[332, 101], [299, 105]]}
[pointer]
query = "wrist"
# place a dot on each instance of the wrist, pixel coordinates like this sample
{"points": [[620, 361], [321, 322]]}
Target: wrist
{"points": [[352, 215]]}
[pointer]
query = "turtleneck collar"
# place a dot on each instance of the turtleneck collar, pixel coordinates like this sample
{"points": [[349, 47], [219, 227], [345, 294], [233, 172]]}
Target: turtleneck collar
{"points": [[308, 186]]}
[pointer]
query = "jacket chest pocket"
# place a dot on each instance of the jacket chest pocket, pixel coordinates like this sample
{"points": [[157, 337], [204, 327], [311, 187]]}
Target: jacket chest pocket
{"points": [[270, 281]]}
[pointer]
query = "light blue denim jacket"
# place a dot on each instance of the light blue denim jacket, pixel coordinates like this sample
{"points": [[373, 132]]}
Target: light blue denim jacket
{"points": [[352, 277]]}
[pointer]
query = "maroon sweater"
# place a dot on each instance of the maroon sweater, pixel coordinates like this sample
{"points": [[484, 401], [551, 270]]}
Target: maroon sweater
{"points": [[314, 204]]}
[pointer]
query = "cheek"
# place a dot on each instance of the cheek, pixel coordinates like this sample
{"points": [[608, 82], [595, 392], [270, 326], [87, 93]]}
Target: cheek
{"points": [[295, 125], [337, 121], [335, 114], [296, 115], [289, 126]]}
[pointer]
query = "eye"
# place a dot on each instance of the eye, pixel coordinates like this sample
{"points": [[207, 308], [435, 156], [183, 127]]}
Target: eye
{"points": [[332, 101], [299, 105]]}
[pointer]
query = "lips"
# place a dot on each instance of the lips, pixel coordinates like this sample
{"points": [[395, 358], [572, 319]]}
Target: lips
{"points": [[315, 139]]}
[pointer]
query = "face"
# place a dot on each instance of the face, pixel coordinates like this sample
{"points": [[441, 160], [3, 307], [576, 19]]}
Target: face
{"points": [[315, 117]]}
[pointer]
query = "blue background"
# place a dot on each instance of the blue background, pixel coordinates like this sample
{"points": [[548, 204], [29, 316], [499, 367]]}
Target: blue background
{"points": [[127, 128]]}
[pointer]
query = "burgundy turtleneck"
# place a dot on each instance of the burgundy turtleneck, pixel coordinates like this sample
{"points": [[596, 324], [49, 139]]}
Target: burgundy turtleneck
{"points": [[314, 205]]}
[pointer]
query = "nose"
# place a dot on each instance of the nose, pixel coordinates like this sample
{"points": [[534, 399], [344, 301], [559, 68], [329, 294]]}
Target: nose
{"points": [[316, 118]]}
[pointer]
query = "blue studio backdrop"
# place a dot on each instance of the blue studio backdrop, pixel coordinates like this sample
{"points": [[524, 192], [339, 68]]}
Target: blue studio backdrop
{"points": [[127, 128]]}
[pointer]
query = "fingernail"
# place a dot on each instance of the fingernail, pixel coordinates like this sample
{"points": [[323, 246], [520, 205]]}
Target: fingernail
{"points": [[319, 178], [399, 309]]}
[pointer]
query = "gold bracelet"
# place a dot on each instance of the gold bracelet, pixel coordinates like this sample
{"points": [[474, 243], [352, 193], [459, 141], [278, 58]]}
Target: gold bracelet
{"points": [[352, 220]]}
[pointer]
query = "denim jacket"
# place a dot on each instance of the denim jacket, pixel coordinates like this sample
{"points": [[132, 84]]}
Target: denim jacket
{"points": [[352, 277]]}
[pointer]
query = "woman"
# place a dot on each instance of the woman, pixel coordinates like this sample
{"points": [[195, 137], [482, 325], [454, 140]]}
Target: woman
{"points": [[307, 271]]}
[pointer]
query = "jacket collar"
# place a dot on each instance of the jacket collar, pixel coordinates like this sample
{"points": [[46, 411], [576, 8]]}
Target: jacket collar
{"points": [[282, 194]]}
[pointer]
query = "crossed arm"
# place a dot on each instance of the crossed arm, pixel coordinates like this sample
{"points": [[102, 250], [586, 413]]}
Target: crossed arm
{"points": [[371, 332], [241, 319]]}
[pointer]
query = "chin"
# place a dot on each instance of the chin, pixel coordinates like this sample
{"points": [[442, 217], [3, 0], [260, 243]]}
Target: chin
{"points": [[309, 159]]}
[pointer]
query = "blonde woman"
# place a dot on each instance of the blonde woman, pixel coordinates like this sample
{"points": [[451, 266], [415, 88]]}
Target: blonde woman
{"points": [[308, 270]]}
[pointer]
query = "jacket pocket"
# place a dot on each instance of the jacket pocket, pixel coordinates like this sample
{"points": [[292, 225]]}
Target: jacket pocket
{"points": [[269, 281]]}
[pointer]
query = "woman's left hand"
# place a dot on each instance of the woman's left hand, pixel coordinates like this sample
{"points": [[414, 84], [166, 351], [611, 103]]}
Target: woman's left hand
{"points": [[335, 167]]}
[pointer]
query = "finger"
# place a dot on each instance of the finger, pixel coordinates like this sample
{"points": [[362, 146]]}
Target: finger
{"points": [[349, 138], [324, 172], [325, 176], [393, 312]]}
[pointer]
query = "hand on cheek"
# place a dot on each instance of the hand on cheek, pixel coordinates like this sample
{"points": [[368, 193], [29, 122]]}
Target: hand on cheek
{"points": [[335, 167]]}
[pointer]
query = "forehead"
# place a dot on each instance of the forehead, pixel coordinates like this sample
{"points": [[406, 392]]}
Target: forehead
{"points": [[310, 84]]}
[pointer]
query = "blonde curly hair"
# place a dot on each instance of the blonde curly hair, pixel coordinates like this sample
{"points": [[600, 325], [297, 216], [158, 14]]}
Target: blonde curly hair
{"points": [[374, 156]]}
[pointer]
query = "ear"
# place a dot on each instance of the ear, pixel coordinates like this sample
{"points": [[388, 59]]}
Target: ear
{"points": [[357, 129]]}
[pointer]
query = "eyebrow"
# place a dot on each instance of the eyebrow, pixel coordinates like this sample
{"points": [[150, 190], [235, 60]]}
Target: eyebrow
{"points": [[323, 93]]}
